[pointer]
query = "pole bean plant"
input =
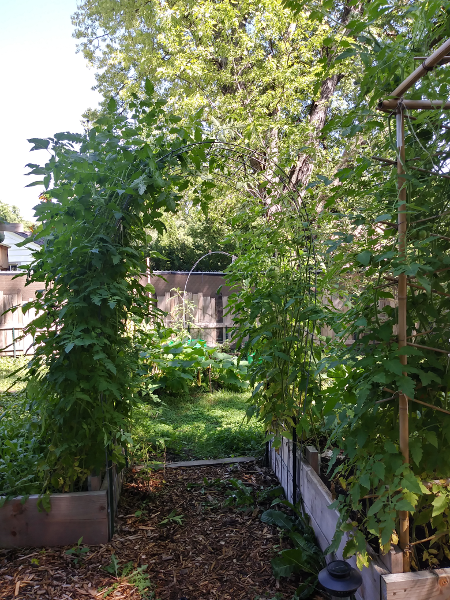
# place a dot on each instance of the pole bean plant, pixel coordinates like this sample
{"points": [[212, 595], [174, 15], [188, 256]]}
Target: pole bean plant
{"points": [[103, 190]]}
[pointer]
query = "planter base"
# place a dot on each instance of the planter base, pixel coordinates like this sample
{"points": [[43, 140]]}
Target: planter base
{"points": [[72, 516]]}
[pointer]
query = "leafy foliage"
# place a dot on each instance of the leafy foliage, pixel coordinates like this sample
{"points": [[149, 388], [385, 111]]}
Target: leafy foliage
{"points": [[105, 188], [174, 363], [305, 557], [364, 378]]}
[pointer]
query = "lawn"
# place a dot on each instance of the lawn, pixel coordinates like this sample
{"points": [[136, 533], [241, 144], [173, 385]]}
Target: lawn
{"points": [[203, 425]]}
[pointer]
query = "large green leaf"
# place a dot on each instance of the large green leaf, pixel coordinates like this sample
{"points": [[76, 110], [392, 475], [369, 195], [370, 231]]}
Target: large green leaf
{"points": [[276, 517]]}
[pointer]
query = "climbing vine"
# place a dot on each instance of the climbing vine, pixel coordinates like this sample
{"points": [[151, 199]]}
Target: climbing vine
{"points": [[103, 190]]}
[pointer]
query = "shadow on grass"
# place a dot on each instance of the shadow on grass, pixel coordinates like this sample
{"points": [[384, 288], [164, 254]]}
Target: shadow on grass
{"points": [[198, 427]]}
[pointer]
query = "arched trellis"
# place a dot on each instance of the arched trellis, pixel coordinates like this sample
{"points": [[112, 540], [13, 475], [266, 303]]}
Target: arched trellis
{"points": [[190, 273], [92, 273]]}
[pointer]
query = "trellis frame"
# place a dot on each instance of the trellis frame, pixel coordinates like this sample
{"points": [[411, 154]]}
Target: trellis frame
{"points": [[398, 105]]}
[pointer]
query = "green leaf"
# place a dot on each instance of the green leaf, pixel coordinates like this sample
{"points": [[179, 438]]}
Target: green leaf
{"points": [[440, 503], [149, 87], [379, 469], [415, 447], [282, 567], [385, 217], [411, 483], [406, 385], [112, 105], [431, 437], [346, 54], [364, 257], [39, 144], [376, 507], [394, 366], [278, 518]]}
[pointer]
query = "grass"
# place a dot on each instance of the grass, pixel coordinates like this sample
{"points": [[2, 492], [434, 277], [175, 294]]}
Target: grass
{"points": [[7, 366], [188, 426], [200, 426]]}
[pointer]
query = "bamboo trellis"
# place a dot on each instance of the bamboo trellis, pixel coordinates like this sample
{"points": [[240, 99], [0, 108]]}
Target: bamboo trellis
{"points": [[398, 104]]}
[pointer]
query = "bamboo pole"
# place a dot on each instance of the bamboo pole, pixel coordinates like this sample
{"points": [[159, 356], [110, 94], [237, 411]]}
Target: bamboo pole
{"points": [[426, 66], [428, 348], [402, 293], [391, 105], [444, 61], [393, 162]]}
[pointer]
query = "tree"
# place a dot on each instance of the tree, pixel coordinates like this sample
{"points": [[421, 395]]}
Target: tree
{"points": [[11, 214], [263, 75]]}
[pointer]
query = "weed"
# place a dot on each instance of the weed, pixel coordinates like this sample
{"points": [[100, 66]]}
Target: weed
{"points": [[172, 518], [305, 558], [136, 577], [240, 495], [78, 552]]}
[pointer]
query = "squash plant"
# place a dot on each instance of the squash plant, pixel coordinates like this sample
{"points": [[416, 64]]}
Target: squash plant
{"points": [[103, 190]]}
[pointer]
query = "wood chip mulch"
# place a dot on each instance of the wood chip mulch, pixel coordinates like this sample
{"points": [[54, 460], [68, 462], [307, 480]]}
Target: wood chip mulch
{"points": [[217, 552]]}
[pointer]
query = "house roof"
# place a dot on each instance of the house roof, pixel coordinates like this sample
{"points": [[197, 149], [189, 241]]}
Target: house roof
{"points": [[26, 234]]}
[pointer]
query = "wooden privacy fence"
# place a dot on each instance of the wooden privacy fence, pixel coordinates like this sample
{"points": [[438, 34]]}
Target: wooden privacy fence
{"points": [[12, 325], [203, 316]]}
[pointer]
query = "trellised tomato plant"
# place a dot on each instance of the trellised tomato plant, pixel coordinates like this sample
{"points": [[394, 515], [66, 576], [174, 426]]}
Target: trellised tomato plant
{"points": [[361, 411]]}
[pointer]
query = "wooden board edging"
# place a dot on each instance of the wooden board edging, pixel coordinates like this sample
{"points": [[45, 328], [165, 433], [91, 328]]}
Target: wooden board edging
{"points": [[383, 578], [202, 463], [72, 515], [316, 499], [421, 585]]}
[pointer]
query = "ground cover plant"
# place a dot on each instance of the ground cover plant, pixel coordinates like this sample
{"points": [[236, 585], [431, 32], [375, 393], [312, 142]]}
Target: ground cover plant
{"points": [[173, 362], [218, 550], [21, 447], [198, 425]]}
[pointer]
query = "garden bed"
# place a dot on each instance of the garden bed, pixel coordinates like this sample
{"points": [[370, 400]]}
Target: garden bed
{"points": [[384, 577], [72, 516], [217, 551]]}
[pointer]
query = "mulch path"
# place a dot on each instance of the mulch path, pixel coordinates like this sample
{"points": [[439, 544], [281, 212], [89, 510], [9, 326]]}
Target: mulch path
{"points": [[216, 552]]}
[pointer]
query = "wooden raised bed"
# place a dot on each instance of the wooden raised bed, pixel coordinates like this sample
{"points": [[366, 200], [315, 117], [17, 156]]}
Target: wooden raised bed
{"points": [[384, 577], [72, 516]]}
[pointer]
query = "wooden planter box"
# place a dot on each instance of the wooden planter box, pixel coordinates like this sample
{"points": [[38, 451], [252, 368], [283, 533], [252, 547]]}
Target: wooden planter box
{"points": [[72, 516], [383, 579]]}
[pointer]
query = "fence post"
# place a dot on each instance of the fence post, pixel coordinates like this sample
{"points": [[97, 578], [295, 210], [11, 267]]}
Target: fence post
{"points": [[14, 343], [294, 462]]}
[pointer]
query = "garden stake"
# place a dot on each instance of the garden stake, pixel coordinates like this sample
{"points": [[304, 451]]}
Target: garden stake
{"points": [[402, 292]]}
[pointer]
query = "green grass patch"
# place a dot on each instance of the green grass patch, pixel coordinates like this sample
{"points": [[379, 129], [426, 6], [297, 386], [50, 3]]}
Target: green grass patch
{"points": [[7, 366], [199, 426]]}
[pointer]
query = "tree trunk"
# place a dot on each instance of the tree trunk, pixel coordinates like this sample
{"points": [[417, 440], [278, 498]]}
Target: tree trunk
{"points": [[301, 171]]}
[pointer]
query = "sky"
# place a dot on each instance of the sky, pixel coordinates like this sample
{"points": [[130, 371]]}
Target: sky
{"points": [[45, 87]]}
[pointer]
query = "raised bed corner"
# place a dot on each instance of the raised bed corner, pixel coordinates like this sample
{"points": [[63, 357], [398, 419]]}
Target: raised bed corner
{"points": [[384, 578], [316, 499], [72, 516]]}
